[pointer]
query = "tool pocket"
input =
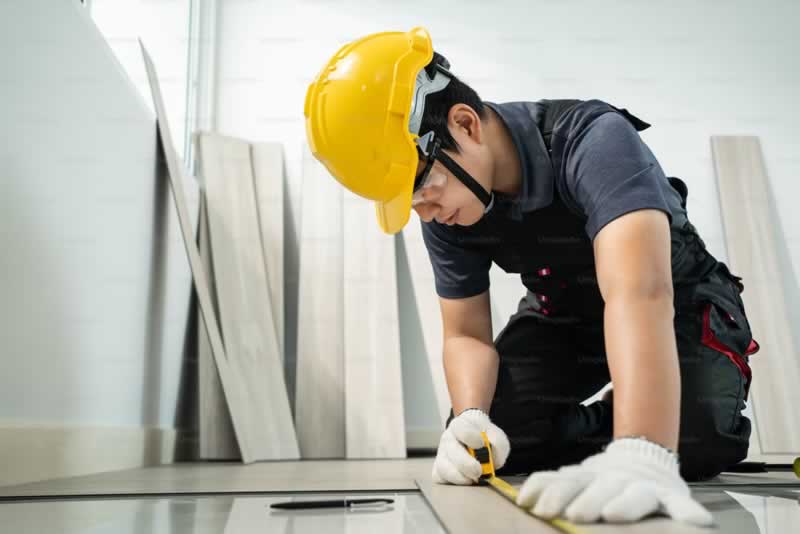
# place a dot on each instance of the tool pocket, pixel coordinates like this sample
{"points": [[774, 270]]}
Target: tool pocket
{"points": [[725, 330], [735, 280]]}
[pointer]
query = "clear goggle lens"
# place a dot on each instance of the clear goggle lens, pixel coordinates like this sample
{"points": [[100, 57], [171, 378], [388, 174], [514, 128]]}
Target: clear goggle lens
{"points": [[434, 179]]}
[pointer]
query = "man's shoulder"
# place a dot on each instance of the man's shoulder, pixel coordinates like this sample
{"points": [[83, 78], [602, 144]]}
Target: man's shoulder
{"points": [[564, 114], [530, 107], [584, 112]]}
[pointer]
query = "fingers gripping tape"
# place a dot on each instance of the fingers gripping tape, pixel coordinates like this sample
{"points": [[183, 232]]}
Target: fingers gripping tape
{"points": [[484, 457], [488, 478]]}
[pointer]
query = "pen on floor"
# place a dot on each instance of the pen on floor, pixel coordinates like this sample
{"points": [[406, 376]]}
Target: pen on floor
{"points": [[338, 503]]}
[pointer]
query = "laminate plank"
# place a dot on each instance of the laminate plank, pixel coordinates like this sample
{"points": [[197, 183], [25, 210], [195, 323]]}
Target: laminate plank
{"points": [[217, 438], [320, 380], [268, 176], [240, 276], [374, 413], [476, 509], [429, 312], [231, 380], [749, 222]]}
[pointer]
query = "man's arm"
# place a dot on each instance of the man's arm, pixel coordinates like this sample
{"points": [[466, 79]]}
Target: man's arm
{"points": [[470, 358], [634, 272], [471, 364], [630, 478]]}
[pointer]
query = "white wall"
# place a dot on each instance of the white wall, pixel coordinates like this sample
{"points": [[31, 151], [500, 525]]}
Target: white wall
{"points": [[691, 68], [94, 279], [163, 26]]}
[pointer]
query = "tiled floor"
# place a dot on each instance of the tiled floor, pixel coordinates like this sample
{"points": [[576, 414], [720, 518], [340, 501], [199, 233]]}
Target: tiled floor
{"points": [[233, 477], [234, 498], [212, 514]]}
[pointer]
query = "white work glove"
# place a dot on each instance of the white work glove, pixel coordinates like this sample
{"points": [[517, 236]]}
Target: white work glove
{"points": [[630, 479], [453, 464]]}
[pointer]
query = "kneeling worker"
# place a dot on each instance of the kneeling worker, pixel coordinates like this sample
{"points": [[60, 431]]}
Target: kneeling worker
{"points": [[619, 285]]}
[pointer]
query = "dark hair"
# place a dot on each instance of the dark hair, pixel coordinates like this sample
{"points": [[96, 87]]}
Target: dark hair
{"points": [[437, 105]]}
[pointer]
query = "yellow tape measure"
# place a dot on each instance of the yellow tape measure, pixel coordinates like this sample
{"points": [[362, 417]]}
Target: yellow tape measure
{"points": [[484, 457]]}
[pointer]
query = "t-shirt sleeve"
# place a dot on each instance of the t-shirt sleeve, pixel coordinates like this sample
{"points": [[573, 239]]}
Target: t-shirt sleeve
{"points": [[459, 272], [610, 171]]}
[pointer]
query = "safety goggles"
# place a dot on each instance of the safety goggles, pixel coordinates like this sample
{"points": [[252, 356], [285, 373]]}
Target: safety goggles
{"points": [[428, 177], [428, 145], [433, 179], [429, 148]]}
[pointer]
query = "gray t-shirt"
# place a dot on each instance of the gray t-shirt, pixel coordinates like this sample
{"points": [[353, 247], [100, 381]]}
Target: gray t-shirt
{"points": [[599, 170]]}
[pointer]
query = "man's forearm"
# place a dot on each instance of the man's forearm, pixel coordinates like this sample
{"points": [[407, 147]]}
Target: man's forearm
{"points": [[643, 361], [470, 367]]}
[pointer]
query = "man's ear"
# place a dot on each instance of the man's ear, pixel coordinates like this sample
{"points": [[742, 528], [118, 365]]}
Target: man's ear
{"points": [[464, 118]]}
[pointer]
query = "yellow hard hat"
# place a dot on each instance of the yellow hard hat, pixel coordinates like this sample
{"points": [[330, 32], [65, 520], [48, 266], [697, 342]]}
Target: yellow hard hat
{"points": [[357, 113]]}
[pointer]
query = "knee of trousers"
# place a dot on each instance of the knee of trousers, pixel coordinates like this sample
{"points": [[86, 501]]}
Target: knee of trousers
{"points": [[706, 454], [714, 433]]}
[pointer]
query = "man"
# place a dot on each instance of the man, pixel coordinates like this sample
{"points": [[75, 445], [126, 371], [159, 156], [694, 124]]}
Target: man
{"points": [[620, 287]]}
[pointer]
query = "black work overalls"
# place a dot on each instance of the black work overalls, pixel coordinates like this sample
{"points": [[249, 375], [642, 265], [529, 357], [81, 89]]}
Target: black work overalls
{"points": [[552, 351]]}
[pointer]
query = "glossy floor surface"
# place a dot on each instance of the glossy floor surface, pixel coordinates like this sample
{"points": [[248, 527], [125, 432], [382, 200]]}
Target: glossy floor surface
{"points": [[408, 513], [233, 498]]}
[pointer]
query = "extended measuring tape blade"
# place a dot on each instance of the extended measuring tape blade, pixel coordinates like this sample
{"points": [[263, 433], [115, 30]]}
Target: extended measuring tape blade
{"points": [[484, 457]]}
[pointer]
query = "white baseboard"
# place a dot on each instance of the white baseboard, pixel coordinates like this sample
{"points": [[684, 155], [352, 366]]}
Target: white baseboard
{"points": [[31, 452]]}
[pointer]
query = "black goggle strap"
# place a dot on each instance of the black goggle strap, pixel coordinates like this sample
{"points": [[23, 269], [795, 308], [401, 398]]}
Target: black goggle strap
{"points": [[486, 198]]}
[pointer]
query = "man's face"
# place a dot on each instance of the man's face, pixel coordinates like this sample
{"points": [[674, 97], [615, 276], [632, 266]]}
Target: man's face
{"points": [[447, 200]]}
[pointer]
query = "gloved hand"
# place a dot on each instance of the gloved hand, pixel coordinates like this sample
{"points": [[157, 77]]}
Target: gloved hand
{"points": [[453, 464], [630, 479]]}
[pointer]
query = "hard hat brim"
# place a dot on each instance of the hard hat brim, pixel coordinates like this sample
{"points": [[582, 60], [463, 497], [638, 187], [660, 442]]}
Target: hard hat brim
{"points": [[394, 214]]}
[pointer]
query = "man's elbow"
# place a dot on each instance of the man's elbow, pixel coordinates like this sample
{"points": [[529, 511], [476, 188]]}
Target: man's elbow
{"points": [[653, 294]]}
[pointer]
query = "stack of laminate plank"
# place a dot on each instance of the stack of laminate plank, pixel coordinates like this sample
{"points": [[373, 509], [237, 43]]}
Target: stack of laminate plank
{"points": [[349, 395], [241, 244], [237, 327]]}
